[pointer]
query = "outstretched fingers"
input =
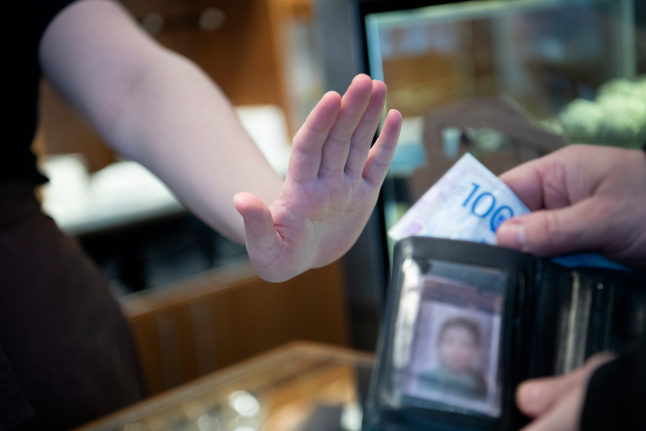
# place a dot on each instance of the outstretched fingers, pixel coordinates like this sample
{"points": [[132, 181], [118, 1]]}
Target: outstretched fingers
{"points": [[353, 105], [363, 135], [381, 154], [305, 161]]}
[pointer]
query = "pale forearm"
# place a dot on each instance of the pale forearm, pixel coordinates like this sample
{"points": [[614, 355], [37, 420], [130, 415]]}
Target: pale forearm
{"points": [[156, 107], [177, 123]]}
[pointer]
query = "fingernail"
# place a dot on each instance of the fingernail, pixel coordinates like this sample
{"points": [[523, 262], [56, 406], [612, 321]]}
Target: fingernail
{"points": [[511, 234]]}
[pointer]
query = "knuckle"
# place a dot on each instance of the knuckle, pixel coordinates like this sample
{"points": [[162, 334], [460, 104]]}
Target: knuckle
{"points": [[549, 233], [331, 170], [338, 141], [552, 225]]}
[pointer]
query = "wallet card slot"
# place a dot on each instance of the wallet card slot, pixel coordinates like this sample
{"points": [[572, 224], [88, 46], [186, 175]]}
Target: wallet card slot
{"points": [[599, 332], [574, 328]]}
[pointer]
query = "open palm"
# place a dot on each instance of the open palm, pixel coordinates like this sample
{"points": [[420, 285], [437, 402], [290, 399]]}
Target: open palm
{"points": [[332, 184]]}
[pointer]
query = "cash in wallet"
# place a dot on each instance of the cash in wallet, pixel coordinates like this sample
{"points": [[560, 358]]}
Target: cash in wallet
{"points": [[467, 321]]}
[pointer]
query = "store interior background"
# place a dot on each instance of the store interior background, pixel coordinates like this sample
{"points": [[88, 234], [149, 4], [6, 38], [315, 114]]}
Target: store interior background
{"points": [[190, 295]]}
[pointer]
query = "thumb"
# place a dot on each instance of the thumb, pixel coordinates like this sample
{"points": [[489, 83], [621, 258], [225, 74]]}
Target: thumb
{"points": [[535, 397], [258, 223], [553, 232]]}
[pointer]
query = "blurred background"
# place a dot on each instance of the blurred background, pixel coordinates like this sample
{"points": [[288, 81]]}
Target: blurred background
{"points": [[505, 80]]}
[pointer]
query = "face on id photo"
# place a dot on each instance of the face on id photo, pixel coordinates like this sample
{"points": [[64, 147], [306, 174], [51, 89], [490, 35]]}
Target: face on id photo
{"points": [[455, 357]]}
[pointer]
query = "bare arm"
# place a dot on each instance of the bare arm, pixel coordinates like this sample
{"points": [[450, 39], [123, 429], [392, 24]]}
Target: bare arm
{"points": [[158, 108]]}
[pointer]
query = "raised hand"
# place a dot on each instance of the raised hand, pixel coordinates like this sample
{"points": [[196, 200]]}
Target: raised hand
{"points": [[159, 109], [583, 198], [332, 184]]}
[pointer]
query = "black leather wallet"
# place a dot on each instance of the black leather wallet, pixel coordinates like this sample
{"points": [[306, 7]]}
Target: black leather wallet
{"points": [[465, 323]]}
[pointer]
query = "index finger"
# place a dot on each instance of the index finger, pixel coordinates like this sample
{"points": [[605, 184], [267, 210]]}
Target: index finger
{"points": [[526, 181], [305, 160]]}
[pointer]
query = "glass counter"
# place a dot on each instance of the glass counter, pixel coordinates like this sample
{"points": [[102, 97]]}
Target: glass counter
{"points": [[302, 386]]}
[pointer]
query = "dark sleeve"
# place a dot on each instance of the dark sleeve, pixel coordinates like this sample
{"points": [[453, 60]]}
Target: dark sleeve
{"points": [[616, 395], [30, 20], [42, 14]]}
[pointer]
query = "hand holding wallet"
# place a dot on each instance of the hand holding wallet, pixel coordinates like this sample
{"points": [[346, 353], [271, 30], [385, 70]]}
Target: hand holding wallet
{"points": [[466, 323]]}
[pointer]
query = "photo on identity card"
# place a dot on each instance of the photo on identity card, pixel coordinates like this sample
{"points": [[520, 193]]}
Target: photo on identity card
{"points": [[455, 348]]}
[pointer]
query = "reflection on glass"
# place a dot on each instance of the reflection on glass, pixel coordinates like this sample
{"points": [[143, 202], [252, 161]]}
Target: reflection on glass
{"points": [[135, 427], [543, 54], [244, 403], [290, 390], [209, 423], [351, 417], [407, 313]]}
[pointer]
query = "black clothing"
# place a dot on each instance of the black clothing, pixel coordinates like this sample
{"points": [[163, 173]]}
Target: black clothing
{"points": [[66, 353], [22, 25], [616, 395]]}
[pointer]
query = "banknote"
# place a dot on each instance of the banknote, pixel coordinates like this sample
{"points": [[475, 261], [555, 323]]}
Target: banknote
{"points": [[469, 203]]}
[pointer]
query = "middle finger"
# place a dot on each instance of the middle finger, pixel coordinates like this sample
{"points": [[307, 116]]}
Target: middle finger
{"points": [[337, 146]]}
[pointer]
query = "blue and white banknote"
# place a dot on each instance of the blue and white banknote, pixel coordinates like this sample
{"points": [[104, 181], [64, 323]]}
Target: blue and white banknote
{"points": [[469, 203]]}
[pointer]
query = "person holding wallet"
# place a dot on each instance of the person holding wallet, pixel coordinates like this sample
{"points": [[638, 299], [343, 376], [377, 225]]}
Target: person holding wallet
{"points": [[66, 353], [584, 198]]}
